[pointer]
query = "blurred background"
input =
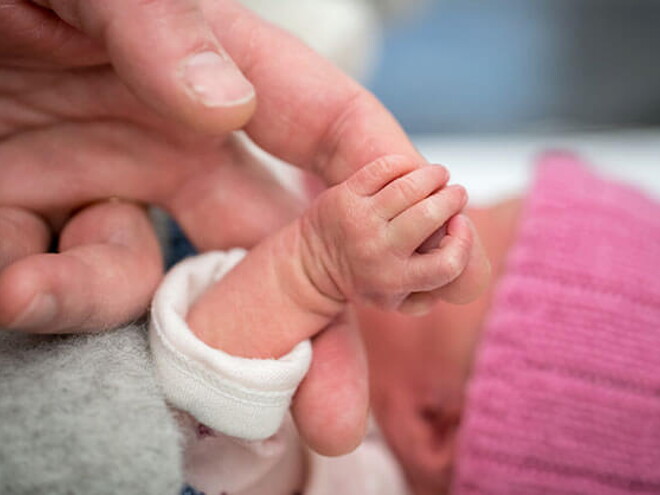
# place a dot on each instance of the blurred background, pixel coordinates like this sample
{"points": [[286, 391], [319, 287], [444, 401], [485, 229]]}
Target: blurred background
{"points": [[485, 85], [483, 66], [492, 66]]}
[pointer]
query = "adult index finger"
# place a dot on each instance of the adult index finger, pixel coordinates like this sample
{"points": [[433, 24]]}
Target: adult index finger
{"points": [[309, 113]]}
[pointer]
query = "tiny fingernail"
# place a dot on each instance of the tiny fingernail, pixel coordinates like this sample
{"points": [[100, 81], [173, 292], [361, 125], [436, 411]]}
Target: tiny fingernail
{"points": [[39, 313], [418, 309], [215, 81]]}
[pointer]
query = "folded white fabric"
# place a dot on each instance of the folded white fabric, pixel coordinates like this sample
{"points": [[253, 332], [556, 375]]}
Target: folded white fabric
{"points": [[241, 397]]}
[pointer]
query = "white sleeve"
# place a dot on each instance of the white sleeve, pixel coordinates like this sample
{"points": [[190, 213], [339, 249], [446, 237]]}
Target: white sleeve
{"points": [[240, 397]]}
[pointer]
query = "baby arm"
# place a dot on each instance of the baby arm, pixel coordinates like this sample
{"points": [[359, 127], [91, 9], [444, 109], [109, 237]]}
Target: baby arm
{"points": [[358, 242]]}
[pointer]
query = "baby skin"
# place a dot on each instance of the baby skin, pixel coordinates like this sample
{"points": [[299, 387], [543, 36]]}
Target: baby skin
{"points": [[419, 367], [358, 243]]}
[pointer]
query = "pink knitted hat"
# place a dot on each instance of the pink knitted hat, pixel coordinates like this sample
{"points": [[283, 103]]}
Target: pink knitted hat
{"points": [[565, 396]]}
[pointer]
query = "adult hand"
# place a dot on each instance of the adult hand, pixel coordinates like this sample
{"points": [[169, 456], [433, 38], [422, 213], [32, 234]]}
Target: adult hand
{"points": [[134, 100]]}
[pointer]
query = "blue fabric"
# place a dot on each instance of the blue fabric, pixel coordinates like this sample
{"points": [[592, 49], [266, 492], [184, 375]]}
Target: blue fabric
{"points": [[189, 490], [179, 245], [503, 65]]}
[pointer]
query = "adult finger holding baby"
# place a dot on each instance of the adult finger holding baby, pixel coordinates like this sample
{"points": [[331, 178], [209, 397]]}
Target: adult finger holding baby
{"points": [[136, 100]]}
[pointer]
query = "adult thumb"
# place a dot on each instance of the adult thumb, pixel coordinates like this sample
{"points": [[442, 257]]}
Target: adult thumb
{"points": [[166, 53]]}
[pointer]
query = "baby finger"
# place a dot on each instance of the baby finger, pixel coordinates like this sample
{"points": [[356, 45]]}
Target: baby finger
{"points": [[441, 266], [375, 175], [411, 228], [404, 192]]}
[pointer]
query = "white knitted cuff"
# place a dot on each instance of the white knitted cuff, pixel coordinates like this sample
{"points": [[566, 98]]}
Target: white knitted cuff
{"points": [[241, 397]]}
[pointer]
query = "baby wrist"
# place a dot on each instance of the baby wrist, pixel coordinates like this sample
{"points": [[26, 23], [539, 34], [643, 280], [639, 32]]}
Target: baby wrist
{"points": [[315, 288], [238, 396]]}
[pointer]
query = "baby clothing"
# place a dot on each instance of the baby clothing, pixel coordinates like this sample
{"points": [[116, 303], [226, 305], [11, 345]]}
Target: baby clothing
{"points": [[565, 396], [238, 436]]}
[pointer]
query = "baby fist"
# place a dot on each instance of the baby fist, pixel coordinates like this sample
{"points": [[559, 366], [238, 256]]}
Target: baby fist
{"points": [[363, 236]]}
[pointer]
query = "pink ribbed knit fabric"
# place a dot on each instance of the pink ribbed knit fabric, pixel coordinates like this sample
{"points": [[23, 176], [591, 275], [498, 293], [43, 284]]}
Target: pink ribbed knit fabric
{"points": [[565, 397]]}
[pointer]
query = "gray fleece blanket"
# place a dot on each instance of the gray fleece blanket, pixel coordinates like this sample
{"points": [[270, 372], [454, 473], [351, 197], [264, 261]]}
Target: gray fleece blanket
{"points": [[84, 415]]}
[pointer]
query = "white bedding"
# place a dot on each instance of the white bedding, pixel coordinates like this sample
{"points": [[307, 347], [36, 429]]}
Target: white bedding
{"points": [[495, 167]]}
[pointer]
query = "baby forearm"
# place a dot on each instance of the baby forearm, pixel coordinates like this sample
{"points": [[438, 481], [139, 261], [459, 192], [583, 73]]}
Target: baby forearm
{"points": [[266, 304]]}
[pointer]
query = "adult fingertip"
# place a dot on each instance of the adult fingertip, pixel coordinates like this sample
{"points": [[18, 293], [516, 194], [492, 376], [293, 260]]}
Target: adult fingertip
{"points": [[167, 55], [38, 314], [218, 98], [477, 276], [337, 424], [480, 263], [331, 407], [25, 302], [212, 79], [345, 438]]}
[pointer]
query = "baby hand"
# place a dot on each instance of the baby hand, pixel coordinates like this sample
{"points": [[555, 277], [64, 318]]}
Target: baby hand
{"points": [[363, 236]]}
